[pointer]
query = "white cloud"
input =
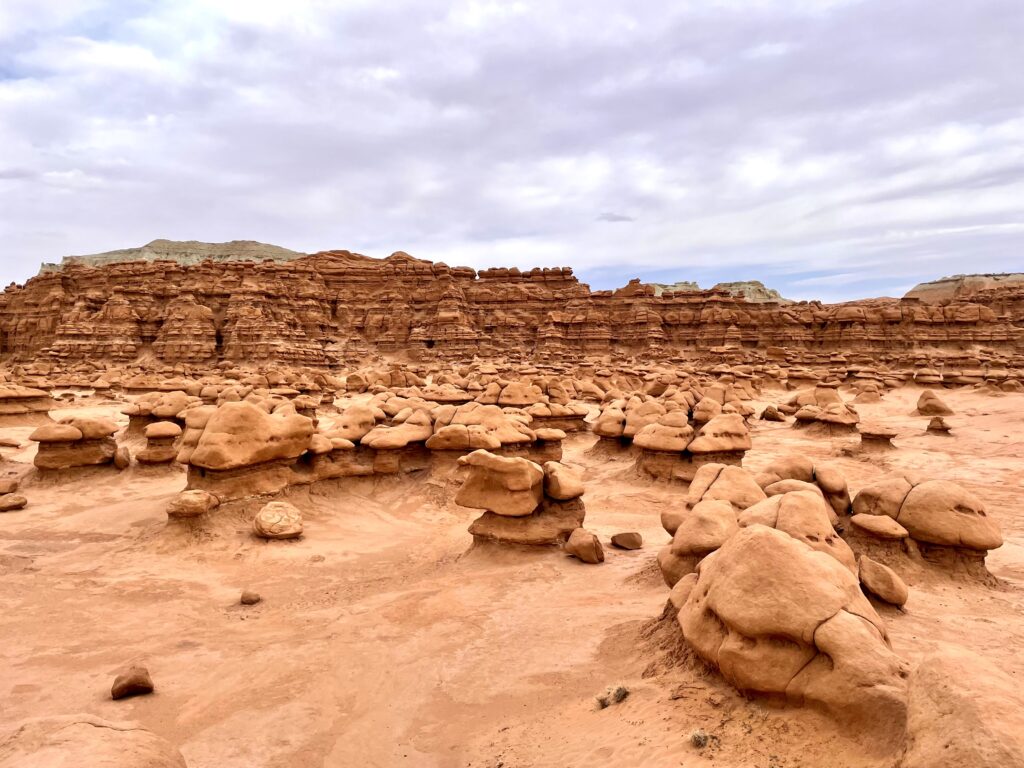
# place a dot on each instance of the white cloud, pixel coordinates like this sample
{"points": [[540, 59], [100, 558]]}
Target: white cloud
{"points": [[761, 139]]}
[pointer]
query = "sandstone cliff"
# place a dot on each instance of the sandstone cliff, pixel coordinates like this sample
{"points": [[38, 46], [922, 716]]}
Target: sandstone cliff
{"points": [[336, 305]]}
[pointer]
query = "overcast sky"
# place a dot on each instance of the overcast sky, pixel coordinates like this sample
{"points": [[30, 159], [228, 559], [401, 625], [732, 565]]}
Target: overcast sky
{"points": [[832, 149]]}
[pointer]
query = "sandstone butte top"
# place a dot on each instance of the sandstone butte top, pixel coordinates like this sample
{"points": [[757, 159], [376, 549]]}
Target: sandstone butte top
{"points": [[190, 252]]}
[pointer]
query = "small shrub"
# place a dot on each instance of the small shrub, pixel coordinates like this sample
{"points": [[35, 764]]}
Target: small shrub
{"points": [[611, 696], [699, 738]]}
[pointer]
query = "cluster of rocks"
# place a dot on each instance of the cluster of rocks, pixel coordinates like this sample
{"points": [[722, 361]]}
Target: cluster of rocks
{"points": [[77, 442], [682, 428], [769, 575]]}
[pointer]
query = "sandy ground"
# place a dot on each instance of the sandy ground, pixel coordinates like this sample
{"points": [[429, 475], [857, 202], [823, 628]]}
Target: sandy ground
{"points": [[383, 639]]}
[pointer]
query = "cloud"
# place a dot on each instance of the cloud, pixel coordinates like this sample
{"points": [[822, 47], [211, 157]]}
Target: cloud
{"points": [[762, 139]]}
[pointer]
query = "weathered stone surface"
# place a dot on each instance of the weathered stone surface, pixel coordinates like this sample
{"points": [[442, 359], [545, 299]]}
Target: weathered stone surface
{"points": [[627, 540], [586, 546], [964, 712], [292, 311], [512, 487], [278, 520], [938, 512], [74, 740], [242, 434], [134, 682], [562, 481], [774, 616], [192, 504], [552, 523], [882, 581]]}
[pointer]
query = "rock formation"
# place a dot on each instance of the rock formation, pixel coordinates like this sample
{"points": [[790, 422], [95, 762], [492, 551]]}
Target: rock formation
{"points": [[523, 502], [321, 309]]}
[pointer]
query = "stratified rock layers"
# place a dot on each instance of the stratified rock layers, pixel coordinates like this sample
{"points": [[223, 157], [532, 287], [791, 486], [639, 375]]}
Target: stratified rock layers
{"points": [[318, 309]]}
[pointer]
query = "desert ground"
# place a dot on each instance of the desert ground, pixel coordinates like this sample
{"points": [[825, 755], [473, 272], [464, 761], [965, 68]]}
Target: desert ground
{"points": [[386, 637]]}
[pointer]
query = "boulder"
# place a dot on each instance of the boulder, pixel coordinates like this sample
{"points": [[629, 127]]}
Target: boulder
{"points": [[12, 501], [627, 540], [723, 434], [775, 616], [585, 545], [882, 581], [192, 504], [242, 434], [929, 404], [278, 520], [562, 481], [135, 682]]}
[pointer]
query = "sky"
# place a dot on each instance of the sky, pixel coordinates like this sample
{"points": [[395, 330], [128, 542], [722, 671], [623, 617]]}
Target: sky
{"points": [[833, 149]]}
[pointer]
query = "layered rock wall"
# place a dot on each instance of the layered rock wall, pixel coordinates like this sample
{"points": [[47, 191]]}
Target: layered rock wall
{"points": [[320, 309]]}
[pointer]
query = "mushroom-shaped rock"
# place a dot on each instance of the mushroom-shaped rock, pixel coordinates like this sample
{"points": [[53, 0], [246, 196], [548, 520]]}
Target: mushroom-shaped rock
{"points": [[585, 545], [562, 481], [929, 404], [512, 487], [943, 512], [355, 421], [723, 434], [162, 430], [418, 427], [242, 434], [670, 433], [55, 433], [882, 581], [610, 423], [74, 740], [937, 512], [775, 616], [278, 520], [93, 427]]}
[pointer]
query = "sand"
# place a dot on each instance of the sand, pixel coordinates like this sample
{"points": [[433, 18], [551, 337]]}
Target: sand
{"points": [[383, 638]]}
